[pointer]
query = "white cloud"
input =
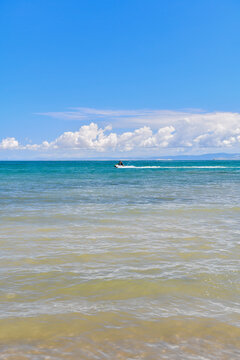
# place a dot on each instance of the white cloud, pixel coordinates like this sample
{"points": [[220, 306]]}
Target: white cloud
{"points": [[144, 138], [89, 137], [151, 130], [122, 118], [9, 143]]}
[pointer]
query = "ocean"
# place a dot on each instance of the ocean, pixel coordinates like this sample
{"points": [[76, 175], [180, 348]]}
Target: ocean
{"points": [[133, 263]]}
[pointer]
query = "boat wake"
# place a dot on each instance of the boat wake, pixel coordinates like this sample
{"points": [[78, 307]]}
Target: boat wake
{"points": [[174, 167]]}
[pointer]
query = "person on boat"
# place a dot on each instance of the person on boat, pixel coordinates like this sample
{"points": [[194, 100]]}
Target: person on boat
{"points": [[120, 163]]}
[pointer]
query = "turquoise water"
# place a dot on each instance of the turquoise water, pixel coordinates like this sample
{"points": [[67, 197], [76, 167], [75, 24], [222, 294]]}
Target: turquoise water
{"points": [[133, 263]]}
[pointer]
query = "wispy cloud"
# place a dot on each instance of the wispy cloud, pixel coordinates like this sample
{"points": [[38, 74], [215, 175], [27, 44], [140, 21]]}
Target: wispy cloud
{"points": [[122, 118]]}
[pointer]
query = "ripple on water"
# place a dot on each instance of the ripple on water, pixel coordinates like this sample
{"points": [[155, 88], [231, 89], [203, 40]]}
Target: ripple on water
{"points": [[99, 264]]}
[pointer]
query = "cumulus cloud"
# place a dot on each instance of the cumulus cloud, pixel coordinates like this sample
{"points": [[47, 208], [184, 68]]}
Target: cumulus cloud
{"points": [[9, 143], [87, 137], [155, 129], [144, 138], [92, 137]]}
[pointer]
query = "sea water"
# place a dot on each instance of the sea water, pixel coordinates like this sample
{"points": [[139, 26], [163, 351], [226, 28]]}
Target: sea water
{"points": [[133, 263]]}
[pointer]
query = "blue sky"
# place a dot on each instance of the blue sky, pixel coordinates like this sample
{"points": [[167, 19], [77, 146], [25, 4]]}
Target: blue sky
{"points": [[153, 77]]}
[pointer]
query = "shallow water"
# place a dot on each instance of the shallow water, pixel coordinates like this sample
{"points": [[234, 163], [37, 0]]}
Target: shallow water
{"points": [[133, 263]]}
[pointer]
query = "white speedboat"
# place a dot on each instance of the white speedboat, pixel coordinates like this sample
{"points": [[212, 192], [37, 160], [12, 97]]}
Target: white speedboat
{"points": [[118, 166]]}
